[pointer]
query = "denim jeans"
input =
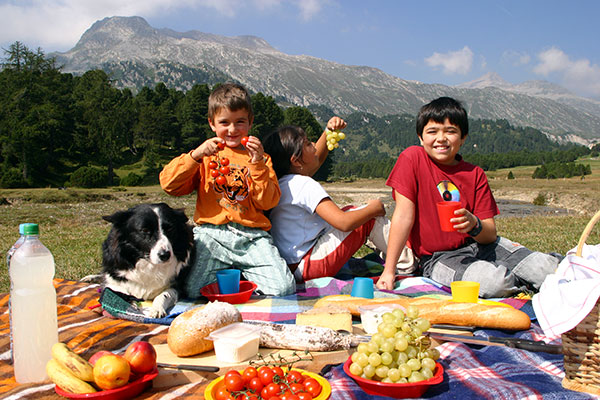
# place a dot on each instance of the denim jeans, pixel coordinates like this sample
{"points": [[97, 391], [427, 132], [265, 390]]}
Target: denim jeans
{"points": [[502, 268]]}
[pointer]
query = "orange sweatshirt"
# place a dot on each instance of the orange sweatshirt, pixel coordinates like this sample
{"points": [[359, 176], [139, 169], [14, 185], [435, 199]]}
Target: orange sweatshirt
{"points": [[250, 189]]}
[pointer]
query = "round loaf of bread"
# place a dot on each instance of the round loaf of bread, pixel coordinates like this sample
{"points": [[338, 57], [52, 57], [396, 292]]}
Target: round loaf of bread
{"points": [[188, 331]]}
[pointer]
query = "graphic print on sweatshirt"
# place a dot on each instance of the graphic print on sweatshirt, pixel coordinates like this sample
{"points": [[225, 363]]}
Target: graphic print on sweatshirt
{"points": [[235, 189]]}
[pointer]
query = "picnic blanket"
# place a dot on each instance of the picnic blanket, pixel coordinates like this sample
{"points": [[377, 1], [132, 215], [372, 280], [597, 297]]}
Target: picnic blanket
{"points": [[284, 309], [469, 372]]}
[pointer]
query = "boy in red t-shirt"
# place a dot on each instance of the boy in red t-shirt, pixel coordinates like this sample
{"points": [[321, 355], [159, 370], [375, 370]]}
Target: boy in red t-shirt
{"points": [[433, 172]]}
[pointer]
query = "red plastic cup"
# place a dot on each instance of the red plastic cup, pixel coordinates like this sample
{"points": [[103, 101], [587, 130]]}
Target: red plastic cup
{"points": [[446, 212]]}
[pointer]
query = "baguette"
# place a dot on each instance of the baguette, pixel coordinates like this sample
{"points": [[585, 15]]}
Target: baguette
{"points": [[188, 331], [441, 311]]}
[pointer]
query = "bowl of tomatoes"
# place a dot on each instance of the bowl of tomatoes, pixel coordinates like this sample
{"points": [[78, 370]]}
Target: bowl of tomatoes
{"points": [[268, 382]]}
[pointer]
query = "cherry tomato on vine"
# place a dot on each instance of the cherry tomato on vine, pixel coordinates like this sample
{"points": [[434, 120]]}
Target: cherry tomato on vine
{"points": [[224, 161], [212, 165], [221, 145], [224, 170], [255, 384], [266, 374], [221, 180], [249, 373], [296, 388], [278, 371], [294, 376], [214, 173], [244, 140], [232, 372], [304, 396], [312, 386], [289, 396], [270, 390], [234, 383], [222, 393]]}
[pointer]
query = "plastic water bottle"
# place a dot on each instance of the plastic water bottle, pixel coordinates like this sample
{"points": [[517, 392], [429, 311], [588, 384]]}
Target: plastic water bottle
{"points": [[17, 244], [33, 321], [9, 254]]}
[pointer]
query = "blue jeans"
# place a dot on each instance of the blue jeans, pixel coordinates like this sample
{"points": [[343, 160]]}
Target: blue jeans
{"points": [[502, 268], [251, 250]]}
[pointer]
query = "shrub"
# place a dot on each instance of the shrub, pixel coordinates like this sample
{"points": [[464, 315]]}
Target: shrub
{"points": [[12, 178], [132, 179], [88, 177], [510, 175], [540, 200]]}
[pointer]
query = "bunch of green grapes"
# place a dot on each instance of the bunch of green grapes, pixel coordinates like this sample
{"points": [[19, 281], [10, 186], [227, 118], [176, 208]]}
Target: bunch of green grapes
{"points": [[333, 137], [398, 352]]}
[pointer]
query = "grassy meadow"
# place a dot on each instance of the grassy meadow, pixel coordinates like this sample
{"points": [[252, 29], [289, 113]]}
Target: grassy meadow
{"points": [[71, 223]]}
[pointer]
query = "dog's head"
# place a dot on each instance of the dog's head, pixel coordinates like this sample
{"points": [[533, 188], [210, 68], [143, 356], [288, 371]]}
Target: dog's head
{"points": [[155, 233]]}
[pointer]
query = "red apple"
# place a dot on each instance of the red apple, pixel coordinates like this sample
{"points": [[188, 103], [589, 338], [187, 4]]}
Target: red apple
{"points": [[97, 355], [141, 357], [111, 371]]}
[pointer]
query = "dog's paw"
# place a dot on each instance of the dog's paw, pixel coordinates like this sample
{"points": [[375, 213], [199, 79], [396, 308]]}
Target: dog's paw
{"points": [[98, 278], [152, 312]]}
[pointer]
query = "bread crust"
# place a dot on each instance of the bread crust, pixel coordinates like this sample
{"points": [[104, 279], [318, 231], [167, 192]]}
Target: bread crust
{"points": [[188, 331], [441, 311]]}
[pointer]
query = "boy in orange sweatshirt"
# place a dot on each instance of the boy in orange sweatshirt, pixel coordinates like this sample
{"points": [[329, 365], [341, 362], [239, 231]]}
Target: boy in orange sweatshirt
{"points": [[234, 183]]}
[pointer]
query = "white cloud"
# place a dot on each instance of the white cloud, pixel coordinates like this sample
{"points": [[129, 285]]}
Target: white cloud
{"points": [[452, 62], [516, 58], [58, 24], [580, 76], [309, 8]]}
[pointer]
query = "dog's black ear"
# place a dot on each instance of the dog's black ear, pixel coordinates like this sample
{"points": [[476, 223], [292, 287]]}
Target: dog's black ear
{"points": [[180, 214], [117, 217]]}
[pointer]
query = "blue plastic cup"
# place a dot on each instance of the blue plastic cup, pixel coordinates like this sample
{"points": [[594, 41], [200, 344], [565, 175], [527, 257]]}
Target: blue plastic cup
{"points": [[362, 287], [228, 281]]}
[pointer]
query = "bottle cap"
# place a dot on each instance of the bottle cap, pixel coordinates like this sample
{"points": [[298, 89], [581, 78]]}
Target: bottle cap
{"points": [[22, 227], [31, 229]]}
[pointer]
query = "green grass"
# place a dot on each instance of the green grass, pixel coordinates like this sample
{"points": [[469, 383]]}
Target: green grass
{"points": [[71, 223]]}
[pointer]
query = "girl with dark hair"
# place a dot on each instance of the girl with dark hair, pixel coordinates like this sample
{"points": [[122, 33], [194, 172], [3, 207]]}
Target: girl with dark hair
{"points": [[313, 234]]}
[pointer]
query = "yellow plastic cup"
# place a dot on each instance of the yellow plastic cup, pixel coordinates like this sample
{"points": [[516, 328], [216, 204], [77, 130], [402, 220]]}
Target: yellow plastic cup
{"points": [[465, 291]]}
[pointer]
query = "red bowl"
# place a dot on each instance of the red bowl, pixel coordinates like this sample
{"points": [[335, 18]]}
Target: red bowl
{"points": [[129, 391], [212, 293], [396, 390]]}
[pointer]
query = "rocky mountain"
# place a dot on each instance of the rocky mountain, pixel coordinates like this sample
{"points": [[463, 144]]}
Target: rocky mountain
{"points": [[136, 54], [543, 89]]}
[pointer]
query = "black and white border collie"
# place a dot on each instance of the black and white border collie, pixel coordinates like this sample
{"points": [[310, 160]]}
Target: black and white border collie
{"points": [[147, 248]]}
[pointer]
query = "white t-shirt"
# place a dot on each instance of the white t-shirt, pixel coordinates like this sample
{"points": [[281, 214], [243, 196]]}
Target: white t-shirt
{"points": [[295, 225]]}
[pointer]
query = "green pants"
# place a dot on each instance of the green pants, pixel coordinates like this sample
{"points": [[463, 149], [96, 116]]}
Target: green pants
{"points": [[251, 250]]}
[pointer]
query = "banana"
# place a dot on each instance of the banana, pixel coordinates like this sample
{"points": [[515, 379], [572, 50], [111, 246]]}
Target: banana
{"points": [[63, 378], [73, 362]]}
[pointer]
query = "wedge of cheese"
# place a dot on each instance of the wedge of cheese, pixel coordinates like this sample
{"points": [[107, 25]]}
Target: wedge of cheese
{"points": [[332, 317]]}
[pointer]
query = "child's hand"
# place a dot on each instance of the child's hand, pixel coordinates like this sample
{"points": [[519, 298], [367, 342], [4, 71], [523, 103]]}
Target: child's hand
{"points": [[255, 149], [465, 222], [336, 123], [386, 281], [208, 148], [377, 206]]}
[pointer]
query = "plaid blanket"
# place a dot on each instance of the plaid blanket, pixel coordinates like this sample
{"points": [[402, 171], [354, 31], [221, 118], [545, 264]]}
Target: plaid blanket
{"points": [[284, 309], [489, 372]]}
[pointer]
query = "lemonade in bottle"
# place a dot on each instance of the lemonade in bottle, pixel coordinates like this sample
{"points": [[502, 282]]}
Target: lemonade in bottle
{"points": [[33, 320]]}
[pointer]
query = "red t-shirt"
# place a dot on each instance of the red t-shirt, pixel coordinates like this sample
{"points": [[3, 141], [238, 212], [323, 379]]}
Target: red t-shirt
{"points": [[418, 178]]}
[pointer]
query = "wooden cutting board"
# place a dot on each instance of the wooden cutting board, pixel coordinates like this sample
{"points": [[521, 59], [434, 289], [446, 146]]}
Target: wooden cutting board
{"points": [[170, 377]]}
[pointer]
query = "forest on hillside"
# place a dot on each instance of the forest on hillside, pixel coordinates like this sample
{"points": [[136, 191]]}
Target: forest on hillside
{"points": [[57, 129]]}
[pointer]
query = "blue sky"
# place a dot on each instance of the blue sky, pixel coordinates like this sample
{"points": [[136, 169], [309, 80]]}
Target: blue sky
{"points": [[432, 41]]}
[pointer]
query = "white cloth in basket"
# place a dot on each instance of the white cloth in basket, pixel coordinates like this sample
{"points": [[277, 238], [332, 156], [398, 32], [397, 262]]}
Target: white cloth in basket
{"points": [[567, 296]]}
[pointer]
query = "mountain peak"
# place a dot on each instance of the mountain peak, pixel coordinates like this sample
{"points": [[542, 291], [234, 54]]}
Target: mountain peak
{"points": [[491, 79]]}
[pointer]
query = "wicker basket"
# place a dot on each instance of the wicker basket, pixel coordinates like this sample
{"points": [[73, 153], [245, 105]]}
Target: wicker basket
{"points": [[581, 345]]}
